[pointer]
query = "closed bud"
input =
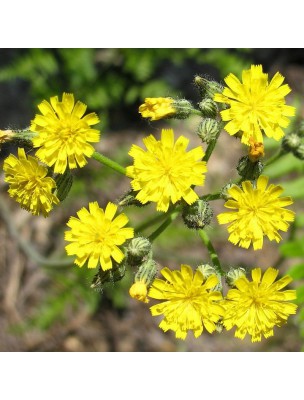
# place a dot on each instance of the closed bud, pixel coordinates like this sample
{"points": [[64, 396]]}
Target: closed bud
{"points": [[197, 215], [208, 108], [291, 142], [63, 183], [109, 276], [138, 249], [146, 272], [249, 170], [213, 87], [206, 87], [299, 152], [182, 108], [233, 275], [208, 129]]}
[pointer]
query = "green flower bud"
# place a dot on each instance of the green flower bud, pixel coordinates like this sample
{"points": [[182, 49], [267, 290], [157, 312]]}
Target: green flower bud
{"points": [[291, 142], [182, 108], [233, 275], [197, 215], [299, 152], [208, 108], [208, 129], [146, 272], [110, 276], [207, 88], [63, 183], [249, 170], [138, 249]]}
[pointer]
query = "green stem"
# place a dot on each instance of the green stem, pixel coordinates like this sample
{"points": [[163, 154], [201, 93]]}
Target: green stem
{"points": [[214, 257], [212, 144], [196, 112], [109, 163], [275, 157], [164, 225], [149, 222], [209, 197]]}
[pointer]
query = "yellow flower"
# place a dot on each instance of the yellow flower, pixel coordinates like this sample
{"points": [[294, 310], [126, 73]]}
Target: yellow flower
{"points": [[157, 108], [256, 106], [259, 212], [190, 301], [256, 307], [64, 133], [165, 172], [95, 236], [139, 291], [29, 184]]}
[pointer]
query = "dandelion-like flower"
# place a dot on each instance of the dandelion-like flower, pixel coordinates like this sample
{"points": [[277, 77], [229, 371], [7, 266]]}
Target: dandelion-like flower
{"points": [[96, 235], [64, 133], [256, 106], [190, 302], [259, 211], [157, 108], [256, 307], [166, 171], [29, 184]]}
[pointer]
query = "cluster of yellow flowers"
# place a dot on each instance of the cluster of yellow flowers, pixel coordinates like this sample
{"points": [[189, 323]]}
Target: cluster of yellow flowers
{"points": [[166, 173]]}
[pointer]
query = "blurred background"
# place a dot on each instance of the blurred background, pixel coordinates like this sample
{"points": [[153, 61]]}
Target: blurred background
{"points": [[48, 307]]}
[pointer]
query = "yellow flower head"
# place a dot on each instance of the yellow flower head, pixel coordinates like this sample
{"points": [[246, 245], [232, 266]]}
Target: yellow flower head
{"points": [[258, 211], [29, 184], [256, 106], [95, 236], [64, 133], [157, 108], [190, 303], [139, 291], [165, 172], [256, 307]]}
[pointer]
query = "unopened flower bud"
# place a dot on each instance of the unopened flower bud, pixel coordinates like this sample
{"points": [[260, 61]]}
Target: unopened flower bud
{"points": [[208, 129], [182, 108], [197, 215], [249, 170], [64, 183], [111, 275], [138, 249], [233, 275], [146, 272], [299, 152], [207, 88], [291, 142], [208, 108]]}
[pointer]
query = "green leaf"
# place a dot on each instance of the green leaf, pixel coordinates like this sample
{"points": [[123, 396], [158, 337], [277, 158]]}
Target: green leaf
{"points": [[293, 249], [297, 271]]}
